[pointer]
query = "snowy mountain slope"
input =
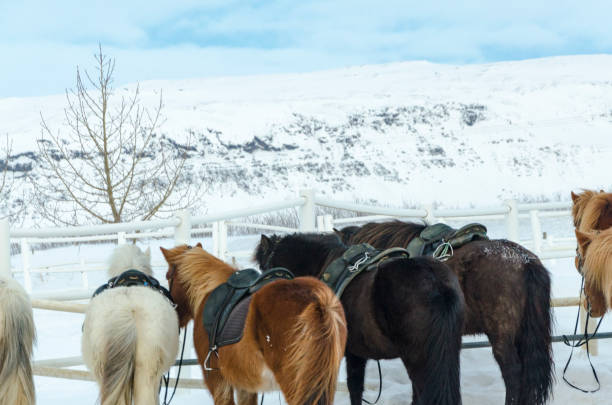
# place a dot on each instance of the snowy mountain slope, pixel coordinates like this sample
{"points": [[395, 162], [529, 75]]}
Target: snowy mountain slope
{"points": [[401, 134]]}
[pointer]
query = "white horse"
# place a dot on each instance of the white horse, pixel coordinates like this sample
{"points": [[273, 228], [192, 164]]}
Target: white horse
{"points": [[130, 335], [17, 336]]}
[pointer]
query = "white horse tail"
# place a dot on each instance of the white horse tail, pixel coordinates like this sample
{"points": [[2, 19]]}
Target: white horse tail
{"points": [[120, 363], [17, 336]]}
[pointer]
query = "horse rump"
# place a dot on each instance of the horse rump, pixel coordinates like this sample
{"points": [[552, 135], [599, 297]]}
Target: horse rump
{"points": [[318, 340]]}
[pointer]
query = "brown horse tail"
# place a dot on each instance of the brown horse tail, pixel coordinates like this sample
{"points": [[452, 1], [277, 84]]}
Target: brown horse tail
{"points": [[317, 347], [120, 362], [533, 340], [17, 336]]}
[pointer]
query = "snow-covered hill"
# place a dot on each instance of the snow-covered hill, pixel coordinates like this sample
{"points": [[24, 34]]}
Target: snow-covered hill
{"points": [[401, 134]]}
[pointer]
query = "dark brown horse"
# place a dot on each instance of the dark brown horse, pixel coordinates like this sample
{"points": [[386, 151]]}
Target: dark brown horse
{"points": [[592, 211], [294, 334], [507, 297], [407, 308]]}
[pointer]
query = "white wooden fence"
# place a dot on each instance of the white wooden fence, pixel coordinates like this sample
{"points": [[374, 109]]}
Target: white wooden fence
{"points": [[183, 226]]}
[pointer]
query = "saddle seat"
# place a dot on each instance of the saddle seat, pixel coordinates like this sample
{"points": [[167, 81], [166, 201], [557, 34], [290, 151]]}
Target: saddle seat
{"points": [[227, 306], [434, 236]]}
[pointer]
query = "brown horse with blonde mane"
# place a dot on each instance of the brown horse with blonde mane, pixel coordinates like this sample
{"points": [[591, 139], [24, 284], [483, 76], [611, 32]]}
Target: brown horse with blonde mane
{"points": [[592, 211], [507, 297], [294, 333]]}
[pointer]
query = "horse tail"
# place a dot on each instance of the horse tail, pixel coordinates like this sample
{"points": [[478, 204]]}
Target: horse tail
{"points": [[17, 336], [318, 341], [443, 346], [533, 340], [119, 365], [420, 305]]}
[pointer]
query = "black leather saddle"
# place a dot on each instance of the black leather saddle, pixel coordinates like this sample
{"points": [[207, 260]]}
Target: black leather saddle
{"points": [[227, 307]]}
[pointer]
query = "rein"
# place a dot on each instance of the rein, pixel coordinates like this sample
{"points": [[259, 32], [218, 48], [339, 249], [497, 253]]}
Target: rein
{"points": [[582, 341], [379, 387], [166, 378]]}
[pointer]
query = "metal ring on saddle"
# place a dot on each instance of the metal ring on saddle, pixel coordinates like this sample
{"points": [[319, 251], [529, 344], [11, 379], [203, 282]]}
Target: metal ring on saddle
{"points": [[442, 251]]}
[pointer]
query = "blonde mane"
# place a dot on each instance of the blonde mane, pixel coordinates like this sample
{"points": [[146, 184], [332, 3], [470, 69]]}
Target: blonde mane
{"points": [[200, 273], [580, 202], [595, 208], [598, 263]]}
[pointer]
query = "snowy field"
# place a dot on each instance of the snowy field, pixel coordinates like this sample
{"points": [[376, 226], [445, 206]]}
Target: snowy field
{"points": [[59, 336]]}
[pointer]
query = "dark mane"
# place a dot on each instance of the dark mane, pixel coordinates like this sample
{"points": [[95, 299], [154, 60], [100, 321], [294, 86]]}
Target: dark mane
{"points": [[393, 233], [299, 250]]}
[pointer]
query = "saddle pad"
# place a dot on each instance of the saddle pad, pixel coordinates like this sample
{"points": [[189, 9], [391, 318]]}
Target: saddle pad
{"points": [[234, 326]]}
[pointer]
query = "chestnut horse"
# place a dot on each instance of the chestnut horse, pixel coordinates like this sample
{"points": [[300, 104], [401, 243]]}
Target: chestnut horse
{"points": [[592, 210], [407, 308], [595, 249], [294, 333], [507, 297]]}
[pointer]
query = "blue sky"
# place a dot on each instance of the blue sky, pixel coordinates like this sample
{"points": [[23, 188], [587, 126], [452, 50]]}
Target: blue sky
{"points": [[42, 42]]}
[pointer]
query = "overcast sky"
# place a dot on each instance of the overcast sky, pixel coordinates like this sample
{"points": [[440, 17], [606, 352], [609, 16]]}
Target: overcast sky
{"points": [[42, 42]]}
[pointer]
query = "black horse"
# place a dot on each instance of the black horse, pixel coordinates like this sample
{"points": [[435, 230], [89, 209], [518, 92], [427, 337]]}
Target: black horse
{"points": [[407, 308], [507, 297]]}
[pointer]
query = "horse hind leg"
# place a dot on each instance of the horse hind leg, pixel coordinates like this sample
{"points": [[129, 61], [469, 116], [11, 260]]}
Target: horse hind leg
{"points": [[245, 397], [510, 366], [355, 375]]}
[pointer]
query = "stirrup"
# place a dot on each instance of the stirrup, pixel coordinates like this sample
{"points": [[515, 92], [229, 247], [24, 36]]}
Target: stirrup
{"points": [[207, 359]]}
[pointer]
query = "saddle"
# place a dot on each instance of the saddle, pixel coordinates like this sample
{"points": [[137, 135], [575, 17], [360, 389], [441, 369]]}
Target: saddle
{"points": [[131, 278], [227, 306], [356, 259], [435, 240]]}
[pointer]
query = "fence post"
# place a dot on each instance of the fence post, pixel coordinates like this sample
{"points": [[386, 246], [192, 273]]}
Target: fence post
{"points": [[182, 232], [429, 219], [320, 223], [5, 249], [328, 223], [536, 232], [307, 212], [222, 240], [25, 261], [120, 238], [512, 221]]}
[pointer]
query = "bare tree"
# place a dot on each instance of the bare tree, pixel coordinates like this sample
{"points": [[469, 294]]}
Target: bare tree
{"points": [[109, 163], [11, 202]]}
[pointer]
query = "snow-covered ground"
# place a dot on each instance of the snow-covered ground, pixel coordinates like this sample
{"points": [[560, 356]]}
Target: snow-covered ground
{"points": [[59, 336]]}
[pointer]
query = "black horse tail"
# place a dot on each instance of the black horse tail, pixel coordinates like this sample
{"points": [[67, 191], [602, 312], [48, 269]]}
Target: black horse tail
{"points": [[534, 337], [427, 326], [442, 347]]}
